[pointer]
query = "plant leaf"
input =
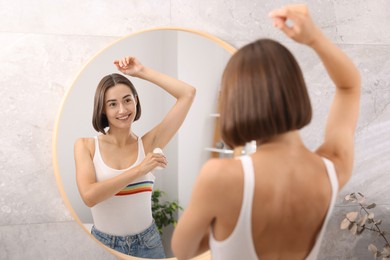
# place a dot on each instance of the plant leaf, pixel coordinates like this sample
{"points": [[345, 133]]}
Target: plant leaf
{"points": [[371, 206], [344, 224], [350, 225], [354, 229], [386, 251], [350, 197], [362, 220], [163, 211], [372, 248], [352, 215], [360, 230]]}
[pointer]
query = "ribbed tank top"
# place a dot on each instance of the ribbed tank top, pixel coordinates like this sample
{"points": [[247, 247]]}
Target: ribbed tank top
{"points": [[239, 245], [129, 211]]}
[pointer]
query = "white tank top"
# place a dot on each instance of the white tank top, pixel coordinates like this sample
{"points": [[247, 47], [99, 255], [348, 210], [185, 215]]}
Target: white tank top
{"points": [[129, 211], [239, 245]]}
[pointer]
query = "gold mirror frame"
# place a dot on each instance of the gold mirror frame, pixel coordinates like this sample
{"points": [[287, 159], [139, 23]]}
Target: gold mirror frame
{"points": [[230, 49]]}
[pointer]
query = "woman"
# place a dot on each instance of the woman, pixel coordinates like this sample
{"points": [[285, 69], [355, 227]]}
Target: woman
{"points": [[113, 169], [275, 203]]}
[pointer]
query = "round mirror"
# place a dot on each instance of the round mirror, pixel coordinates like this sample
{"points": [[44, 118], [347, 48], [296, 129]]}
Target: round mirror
{"points": [[194, 57]]}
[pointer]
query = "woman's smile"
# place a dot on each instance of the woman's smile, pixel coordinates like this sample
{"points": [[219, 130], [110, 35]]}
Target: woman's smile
{"points": [[124, 117]]}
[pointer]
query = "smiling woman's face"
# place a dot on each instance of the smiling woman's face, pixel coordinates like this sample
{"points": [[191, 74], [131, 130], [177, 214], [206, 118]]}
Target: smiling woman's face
{"points": [[119, 106]]}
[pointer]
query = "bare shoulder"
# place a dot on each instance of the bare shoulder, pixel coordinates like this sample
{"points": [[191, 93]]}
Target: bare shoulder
{"points": [[217, 165], [85, 141], [216, 171], [214, 180], [85, 144]]}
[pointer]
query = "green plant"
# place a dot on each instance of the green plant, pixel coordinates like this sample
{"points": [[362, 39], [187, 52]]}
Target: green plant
{"points": [[163, 212], [358, 221]]}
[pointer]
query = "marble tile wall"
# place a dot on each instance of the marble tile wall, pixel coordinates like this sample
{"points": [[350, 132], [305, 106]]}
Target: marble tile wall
{"points": [[45, 43]]}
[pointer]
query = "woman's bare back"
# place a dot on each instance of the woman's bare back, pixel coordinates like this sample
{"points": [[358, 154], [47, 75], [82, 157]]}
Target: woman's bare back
{"points": [[291, 199]]}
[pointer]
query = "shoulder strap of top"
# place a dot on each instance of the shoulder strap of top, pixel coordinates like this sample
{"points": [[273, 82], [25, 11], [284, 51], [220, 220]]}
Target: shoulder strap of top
{"points": [[249, 180], [334, 184], [245, 218], [141, 149], [330, 170], [97, 151], [332, 177]]}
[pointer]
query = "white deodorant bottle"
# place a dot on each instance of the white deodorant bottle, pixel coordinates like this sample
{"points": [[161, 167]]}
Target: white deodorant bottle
{"points": [[158, 150]]}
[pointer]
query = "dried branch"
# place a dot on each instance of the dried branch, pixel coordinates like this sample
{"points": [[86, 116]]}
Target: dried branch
{"points": [[357, 222]]}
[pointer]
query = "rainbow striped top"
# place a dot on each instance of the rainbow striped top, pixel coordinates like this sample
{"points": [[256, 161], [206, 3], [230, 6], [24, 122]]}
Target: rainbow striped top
{"points": [[130, 210], [133, 188]]}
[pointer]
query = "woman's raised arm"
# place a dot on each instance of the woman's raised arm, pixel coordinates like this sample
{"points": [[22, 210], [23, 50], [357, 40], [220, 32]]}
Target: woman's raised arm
{"points": [[162, 133], [342, 119]]}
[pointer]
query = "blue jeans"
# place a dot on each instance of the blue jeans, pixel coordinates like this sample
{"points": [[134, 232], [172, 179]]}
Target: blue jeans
{"points": [[146, 244]]}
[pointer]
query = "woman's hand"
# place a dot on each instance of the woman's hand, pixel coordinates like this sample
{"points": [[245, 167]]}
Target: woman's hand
{"points": [[296, 23], [151, 161], [129, 65]]}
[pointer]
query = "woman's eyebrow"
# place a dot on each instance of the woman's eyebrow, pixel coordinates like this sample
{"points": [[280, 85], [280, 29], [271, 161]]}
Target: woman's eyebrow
{"points": [[110, 100], [113, 100], [129, 95]]}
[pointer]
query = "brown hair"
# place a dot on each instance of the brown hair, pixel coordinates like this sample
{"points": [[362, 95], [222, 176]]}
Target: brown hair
{"points": [[263, 94], [99, 119]]}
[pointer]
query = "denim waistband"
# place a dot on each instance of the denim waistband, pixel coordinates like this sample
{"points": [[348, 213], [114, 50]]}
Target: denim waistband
{"points": [[124, 240]]}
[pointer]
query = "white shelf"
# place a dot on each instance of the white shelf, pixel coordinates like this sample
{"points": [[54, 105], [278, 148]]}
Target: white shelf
{"points": [[216, 150]]}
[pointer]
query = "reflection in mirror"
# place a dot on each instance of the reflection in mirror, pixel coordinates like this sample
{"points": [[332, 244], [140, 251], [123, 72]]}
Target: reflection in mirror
{"points": [[192, 57]]}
